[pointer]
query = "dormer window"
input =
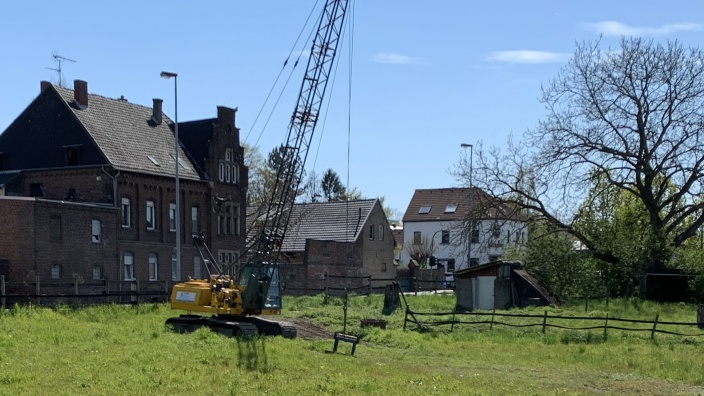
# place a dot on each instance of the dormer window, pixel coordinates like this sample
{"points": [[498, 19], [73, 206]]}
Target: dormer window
{"points": [[425, 209]]}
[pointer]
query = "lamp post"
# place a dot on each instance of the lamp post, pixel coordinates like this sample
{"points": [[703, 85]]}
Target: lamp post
{"points": [[177, 216], [469, 204]]}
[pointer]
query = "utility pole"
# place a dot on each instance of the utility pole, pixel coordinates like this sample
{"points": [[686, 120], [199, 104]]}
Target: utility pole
{"points": [[469, 204]]}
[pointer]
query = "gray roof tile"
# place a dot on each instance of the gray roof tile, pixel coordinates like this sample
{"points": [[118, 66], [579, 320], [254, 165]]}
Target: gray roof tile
{"points": [[329, 221], [124, 133]]}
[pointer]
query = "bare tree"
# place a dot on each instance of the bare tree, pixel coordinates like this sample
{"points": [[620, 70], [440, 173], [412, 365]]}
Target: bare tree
{"points": [[633, 116], [419, 249]]}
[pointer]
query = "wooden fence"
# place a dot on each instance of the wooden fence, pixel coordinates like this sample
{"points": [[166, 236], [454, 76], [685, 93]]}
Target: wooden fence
{"points": [[544, 321], [82, 293]]}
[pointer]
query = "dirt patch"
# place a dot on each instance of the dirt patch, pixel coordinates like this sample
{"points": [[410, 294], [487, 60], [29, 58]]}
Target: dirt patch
{"points": [[308, 330]]}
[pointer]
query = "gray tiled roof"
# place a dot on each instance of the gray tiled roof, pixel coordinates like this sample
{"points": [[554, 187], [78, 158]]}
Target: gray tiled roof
{"points": [[329, 221], [122, 131]]}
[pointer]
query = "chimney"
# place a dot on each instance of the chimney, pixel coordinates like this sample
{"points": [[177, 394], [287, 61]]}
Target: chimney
{"points": [[44, 85], [80, 93], [156, 111]]}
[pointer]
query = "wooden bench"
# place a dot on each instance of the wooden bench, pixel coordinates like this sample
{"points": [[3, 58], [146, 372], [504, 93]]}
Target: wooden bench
{"points": [[345, 338]]}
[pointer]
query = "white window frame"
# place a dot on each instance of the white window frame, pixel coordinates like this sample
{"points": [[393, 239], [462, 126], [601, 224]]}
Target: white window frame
{"points": [[150, 216], [126, 213], [443, 233], [229, 219], [474, 234], [235, 174], [221, 172], [153, 267], [175, 268], [195, 221], [96, 231], [97, 272], [417, 237], [227, 257], [197, 267], [128, 266], [56, 271], [172, 217]]}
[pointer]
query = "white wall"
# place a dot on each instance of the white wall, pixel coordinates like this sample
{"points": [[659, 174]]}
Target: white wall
{"points": [[487, 247]]}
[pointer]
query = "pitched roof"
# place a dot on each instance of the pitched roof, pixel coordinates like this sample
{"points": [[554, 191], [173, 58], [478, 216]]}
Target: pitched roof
{"points": [[126, 136], [340, 221], [453, 204]]}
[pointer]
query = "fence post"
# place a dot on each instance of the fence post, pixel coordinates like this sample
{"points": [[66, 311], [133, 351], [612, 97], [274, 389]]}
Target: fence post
{"points": [[545, 320], [606, 324], [38, 292], [370, 285], [2, 291], [700, 316], [491, 325], [327, 288], [655, 324], [75, 289], [586, 303], [405, 319], [134, 287], [452, 326]]}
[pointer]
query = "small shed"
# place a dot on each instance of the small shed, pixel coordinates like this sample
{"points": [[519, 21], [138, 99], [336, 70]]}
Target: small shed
{"points": [[498, 285]]}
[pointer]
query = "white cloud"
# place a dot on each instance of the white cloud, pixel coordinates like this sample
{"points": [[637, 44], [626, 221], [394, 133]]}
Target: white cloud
{"points": [[527, 56], [385, 57], [614, 28]]}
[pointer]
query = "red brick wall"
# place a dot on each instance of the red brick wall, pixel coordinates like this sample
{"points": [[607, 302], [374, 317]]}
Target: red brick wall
{"points": [[37, 234], [17, 237], [74, 248], [92, 185]]}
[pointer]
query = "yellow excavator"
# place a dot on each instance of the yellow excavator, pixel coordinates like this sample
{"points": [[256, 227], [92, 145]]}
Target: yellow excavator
{"points": [[238, 306]]}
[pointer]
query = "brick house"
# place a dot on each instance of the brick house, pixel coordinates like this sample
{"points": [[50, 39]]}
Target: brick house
{"points": [[337, 239], [436, 218], [87, 189]]}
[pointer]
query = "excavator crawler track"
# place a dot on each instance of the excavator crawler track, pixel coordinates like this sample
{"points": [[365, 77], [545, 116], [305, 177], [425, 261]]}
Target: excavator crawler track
{"points": [[240, 327], [274, 328]]}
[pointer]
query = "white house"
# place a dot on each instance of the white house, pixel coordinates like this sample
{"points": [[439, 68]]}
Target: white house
{"points": [[435, 220]]}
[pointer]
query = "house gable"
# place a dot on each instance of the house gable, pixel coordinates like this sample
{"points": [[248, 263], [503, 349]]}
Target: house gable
{"points": [[47, 135]]}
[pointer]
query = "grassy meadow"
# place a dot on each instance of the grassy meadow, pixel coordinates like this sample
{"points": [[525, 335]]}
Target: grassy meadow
{"points": [[116, 350]]}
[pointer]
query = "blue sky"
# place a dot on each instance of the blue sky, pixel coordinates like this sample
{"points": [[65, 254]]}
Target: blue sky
{"points": [[425, 76]]}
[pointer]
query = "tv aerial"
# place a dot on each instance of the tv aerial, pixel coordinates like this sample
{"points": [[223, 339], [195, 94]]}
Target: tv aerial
{"points": [[58, 58]]}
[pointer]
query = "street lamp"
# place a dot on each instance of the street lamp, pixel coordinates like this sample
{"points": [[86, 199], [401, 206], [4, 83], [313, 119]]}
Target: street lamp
{"points": [[167, 75], [469, 204]]}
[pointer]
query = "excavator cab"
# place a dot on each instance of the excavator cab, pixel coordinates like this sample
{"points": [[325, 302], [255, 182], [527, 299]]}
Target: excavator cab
{"points": [[261, 287]]}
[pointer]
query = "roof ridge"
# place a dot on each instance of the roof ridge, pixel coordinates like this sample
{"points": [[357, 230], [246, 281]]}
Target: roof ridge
{"points": [[112, 99]]}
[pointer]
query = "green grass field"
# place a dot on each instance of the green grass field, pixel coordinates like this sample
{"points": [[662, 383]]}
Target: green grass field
{"points": [[116, 350]]}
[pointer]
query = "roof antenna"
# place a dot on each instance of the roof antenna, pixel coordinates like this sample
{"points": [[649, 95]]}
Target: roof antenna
{"points": [[58, 58]]}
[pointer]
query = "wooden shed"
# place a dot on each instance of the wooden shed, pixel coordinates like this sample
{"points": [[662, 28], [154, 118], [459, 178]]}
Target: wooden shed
{"points": [[498, 285]]}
